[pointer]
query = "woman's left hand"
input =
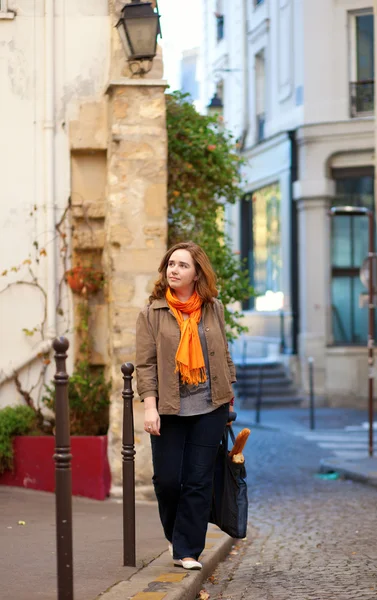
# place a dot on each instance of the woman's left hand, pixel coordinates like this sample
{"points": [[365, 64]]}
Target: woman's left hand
{"points": [[152, 421]]}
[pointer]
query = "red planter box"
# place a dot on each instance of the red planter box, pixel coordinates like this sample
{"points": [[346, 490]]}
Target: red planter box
{"points": [[34, 466]]}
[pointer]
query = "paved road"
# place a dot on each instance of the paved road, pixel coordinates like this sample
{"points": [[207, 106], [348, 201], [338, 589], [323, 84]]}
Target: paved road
{"points": [[308, 539]]}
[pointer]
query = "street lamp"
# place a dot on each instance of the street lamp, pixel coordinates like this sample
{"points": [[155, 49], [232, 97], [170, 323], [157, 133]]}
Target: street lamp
{"points": [[139, 26], [215, 106]]}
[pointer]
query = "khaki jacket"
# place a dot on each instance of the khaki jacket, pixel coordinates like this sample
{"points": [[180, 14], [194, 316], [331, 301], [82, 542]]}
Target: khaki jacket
{"points": [[157, 339]]}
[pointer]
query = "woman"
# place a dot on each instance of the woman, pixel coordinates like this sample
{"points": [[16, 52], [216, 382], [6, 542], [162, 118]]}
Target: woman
{"points": [[184, 376]]}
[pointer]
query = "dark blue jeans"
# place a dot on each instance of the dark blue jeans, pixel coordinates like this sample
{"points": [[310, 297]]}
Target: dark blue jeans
{"points": [[183, 462]]}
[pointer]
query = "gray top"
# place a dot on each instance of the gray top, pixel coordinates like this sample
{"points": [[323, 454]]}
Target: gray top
{"points": [[197, 399]]}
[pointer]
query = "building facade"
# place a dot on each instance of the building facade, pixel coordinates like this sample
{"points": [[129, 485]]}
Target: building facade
{"points": [[83, 166], [296, 79], [189, 83]]}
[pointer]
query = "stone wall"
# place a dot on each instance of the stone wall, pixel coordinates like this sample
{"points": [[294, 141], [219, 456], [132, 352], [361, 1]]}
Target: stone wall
{"points": [[135, 237], [122, 228]]}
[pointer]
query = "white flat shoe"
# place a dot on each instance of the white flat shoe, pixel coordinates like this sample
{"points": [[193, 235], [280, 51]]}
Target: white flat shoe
{"points": [[170, 549], [191, 565]]}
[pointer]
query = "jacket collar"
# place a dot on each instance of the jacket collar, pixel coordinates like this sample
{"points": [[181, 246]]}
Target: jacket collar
{"points": [[162, 303], [159, 303]]}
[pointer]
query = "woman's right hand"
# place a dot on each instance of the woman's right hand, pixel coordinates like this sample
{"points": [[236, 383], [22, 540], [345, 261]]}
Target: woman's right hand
{"points": [[152, 421]]}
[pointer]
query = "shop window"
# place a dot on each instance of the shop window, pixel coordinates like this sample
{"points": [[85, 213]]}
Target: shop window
{"points": [[349, 247], [261, 247]]}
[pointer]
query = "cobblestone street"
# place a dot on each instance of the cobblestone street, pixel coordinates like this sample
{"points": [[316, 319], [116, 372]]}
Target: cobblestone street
{"points": [[308, 539]]}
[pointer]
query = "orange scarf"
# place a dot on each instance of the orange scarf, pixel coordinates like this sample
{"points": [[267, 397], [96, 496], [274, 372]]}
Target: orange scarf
{"points": [[189, 359]]}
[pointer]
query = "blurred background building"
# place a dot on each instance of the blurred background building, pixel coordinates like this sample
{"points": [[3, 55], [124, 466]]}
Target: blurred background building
{"points": [[294, 80], [189, 71]]}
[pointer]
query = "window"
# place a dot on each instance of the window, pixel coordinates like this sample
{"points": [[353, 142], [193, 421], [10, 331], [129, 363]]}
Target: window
{"points": [[260, 95], [5, 13], [362, 64], [349, 247], [261, 247], [219, 14]]}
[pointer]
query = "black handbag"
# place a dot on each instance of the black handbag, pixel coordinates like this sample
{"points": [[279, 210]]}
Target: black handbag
{"points": [[229, 508]]}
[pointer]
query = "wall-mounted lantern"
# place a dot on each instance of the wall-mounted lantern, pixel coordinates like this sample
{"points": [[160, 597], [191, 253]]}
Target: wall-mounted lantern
{"points": [[139, 26], [215, 106]]}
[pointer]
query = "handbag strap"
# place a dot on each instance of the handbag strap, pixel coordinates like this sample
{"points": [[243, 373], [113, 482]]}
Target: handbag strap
{"points": [[228, 431], [232, 436]]}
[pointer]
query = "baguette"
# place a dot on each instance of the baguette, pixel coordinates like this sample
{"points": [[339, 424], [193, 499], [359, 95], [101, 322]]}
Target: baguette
{"points": [[240, 442]]}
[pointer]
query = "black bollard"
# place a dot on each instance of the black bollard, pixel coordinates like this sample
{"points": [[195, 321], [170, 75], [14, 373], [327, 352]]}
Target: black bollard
{"points": [[128, 469], [63, 475], [259, 395], [311, 392], [282, 333]]}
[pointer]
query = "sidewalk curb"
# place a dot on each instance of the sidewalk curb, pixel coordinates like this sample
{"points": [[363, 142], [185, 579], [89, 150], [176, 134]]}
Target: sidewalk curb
{"points": [[362, 475], [160, 580]]}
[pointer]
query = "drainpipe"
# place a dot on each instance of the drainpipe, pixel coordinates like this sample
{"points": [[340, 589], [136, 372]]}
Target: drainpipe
{"points": [[295, 306], [49, 183], [246, 122]]}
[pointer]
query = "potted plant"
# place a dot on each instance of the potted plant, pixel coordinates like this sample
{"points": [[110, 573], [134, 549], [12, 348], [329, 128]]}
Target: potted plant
{"points": [[26, 455], [26, 452], [84, 280], [14, 420]]}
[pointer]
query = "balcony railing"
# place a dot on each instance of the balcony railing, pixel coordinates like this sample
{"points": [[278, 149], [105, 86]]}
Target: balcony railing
{"points": [[219, 27], [362, 97], [261, 120]]}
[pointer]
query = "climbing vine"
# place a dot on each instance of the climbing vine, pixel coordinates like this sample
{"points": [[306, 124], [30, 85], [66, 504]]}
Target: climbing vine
{"points": [[89, 392]]}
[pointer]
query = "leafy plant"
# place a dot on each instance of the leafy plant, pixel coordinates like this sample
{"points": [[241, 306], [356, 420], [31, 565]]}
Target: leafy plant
{"points": [[14, 420], [84, 280], [203, 176], [89, 400]]}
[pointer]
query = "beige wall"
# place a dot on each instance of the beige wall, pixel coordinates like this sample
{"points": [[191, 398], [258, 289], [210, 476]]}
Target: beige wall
{"points": [[81, 58], [104, 151]]}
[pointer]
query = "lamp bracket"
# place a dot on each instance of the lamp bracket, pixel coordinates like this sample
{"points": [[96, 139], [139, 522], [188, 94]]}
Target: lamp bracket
{"points": [[140, 67]]}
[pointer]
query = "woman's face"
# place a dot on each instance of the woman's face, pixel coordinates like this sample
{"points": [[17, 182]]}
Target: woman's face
{"points": [[180, 272]]}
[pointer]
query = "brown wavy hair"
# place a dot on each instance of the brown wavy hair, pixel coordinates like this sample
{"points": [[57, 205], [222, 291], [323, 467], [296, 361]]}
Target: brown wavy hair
{"points": [[206, 282]]}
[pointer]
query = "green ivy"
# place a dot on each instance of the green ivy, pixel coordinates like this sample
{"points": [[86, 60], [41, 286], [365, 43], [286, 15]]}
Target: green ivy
{"points": [[14, 420], [203, 176]]}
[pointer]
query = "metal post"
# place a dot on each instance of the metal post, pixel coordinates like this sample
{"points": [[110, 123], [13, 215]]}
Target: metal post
{"points": [[128, 458], [244, 352], [63, 475], [259, 395], [282, 333], [311, 392], [371, 330]]}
